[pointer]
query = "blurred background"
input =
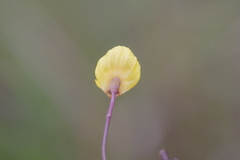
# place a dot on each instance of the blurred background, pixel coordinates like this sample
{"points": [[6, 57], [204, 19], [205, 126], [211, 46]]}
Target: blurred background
{"points": [[187, 100]]}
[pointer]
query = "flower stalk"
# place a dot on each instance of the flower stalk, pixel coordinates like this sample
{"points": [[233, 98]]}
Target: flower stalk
{"points": [[114, 87]]}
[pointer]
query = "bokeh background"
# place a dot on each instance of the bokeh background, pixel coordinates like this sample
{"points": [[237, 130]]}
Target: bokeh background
{"points": [[187, 100]]}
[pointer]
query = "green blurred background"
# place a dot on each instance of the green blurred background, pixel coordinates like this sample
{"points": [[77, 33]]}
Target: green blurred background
{"points": [[187, 100]]}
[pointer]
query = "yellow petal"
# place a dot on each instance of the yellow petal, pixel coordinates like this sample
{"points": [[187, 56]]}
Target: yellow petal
{"points": [[118, 62]]}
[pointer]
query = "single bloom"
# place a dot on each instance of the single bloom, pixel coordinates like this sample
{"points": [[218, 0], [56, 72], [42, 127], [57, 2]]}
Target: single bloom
{"points": [[118, 62]]}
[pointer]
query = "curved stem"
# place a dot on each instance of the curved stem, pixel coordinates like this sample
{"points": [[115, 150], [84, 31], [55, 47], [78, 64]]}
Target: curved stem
{"points": [[108, 119], [114, 87]]}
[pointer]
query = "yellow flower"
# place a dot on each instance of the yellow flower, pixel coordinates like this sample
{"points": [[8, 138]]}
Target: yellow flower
{"points": [[118, 62]]}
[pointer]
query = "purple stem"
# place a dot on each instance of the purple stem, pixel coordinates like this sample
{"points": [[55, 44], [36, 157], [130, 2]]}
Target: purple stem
{"points": [[108, 119], [164, 156], [114, 87]]}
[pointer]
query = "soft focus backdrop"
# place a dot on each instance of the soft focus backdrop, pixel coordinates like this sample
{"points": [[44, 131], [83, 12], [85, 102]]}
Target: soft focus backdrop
{"points": [[187, 101]]}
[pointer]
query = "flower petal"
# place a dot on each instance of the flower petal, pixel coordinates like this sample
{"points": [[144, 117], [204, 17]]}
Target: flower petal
{"points": [[118, 62]]}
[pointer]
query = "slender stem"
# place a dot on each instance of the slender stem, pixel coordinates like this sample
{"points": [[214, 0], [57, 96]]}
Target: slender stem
{"points": [[108, 119], [164, 156], [114, 87]]}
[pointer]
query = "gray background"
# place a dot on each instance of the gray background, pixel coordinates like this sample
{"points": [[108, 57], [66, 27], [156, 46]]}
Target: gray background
{"points": [[187, 100]]}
